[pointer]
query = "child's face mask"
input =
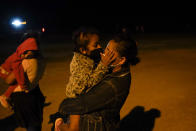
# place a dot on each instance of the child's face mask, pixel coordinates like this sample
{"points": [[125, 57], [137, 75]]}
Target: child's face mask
{"points": [[95, 55]]}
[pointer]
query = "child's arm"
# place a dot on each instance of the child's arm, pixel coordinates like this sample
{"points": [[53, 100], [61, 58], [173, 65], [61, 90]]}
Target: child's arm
{"points": [[83, 74], [92, 77]]}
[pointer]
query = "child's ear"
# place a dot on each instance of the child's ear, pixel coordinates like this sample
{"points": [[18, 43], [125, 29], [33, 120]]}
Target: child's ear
{"points": [[83, 51]]}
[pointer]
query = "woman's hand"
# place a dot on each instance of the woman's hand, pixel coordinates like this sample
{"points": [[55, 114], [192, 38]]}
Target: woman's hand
{"points": [[107, 57]]}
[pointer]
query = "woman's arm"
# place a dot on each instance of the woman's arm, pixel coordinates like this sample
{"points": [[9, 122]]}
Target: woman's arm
{"points": [[98, 97]]}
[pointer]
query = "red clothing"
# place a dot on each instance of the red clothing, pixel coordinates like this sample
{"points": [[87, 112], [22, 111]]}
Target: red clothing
{"points": [[14, 64]]}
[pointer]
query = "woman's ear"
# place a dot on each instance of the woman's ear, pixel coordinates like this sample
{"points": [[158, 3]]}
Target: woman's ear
{"points": [[83, 51], [122, 61]]}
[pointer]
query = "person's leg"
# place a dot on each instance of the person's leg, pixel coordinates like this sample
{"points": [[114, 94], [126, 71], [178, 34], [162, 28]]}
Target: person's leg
{"points": [[28, 108], [35, 110], [8, 124]]}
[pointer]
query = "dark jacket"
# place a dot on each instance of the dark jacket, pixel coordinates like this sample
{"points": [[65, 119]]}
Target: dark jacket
{"points": [[100, 106]]}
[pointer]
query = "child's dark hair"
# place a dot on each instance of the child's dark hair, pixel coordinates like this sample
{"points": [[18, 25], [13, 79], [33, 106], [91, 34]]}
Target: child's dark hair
{"points": [[127, 47], [82, 42]]}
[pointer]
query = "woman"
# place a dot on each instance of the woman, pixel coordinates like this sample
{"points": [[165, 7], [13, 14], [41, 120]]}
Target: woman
{"points": [[13, 63], [99, 108], [28, 104], [86, 69]]}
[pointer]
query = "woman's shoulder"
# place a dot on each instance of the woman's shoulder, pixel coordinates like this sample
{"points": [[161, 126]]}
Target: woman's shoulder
{"points": [[119, 81]]}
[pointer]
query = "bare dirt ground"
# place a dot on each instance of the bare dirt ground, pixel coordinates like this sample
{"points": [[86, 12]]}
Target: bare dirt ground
{"points": [[164, 80]]}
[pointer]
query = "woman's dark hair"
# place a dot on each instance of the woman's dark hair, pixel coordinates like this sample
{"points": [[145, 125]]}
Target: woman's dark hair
{"points": [[127, 47], [82, 42], [31, 34]]}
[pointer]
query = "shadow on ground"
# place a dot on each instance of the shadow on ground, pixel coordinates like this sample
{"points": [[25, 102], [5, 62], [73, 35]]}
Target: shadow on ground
{"points": [[139, 120]]}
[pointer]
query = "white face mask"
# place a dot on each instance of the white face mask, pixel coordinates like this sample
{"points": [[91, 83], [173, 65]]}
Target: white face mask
{"points": [[115, 65]]}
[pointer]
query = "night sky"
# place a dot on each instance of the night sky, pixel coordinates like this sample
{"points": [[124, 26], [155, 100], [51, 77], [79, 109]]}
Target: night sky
{"points": [[64, 16]]}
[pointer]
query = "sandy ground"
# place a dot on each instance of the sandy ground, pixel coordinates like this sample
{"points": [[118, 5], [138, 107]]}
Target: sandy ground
{"points": [[164, 80]]}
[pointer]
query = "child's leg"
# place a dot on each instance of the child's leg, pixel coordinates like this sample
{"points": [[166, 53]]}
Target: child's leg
{"points": [[10, 79], [72, 126], [9, 91], [3, 101], [3, 73], [74, 122], [6, 95]]}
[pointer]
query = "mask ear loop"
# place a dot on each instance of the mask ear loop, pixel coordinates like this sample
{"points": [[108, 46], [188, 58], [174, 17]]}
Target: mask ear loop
{"points": [[113, 66]]}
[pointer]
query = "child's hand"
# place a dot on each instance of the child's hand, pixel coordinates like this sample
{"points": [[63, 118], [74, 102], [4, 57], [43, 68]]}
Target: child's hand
{"points": [[108, 57]]}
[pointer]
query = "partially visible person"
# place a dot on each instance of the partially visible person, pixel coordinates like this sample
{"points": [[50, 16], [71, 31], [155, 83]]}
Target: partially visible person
{"points": [[28, 104], [99, 107], [87, 67], [14, 64]]}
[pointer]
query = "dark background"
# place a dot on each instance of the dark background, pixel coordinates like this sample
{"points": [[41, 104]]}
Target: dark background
{"points": [[60, 17], [164, 79]]}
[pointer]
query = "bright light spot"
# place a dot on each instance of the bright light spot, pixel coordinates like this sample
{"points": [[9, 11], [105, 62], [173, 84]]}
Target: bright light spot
{"points": [[16, 23], [43, 29], [24, 22]]}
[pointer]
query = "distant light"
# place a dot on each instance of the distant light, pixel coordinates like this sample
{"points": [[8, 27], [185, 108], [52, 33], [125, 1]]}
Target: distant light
{"points": [[43, 29], [18, 23], [24, 22]]}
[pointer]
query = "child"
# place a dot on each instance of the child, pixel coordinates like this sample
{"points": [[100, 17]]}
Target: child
{"points": [[86, 69], [13, 64]]}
